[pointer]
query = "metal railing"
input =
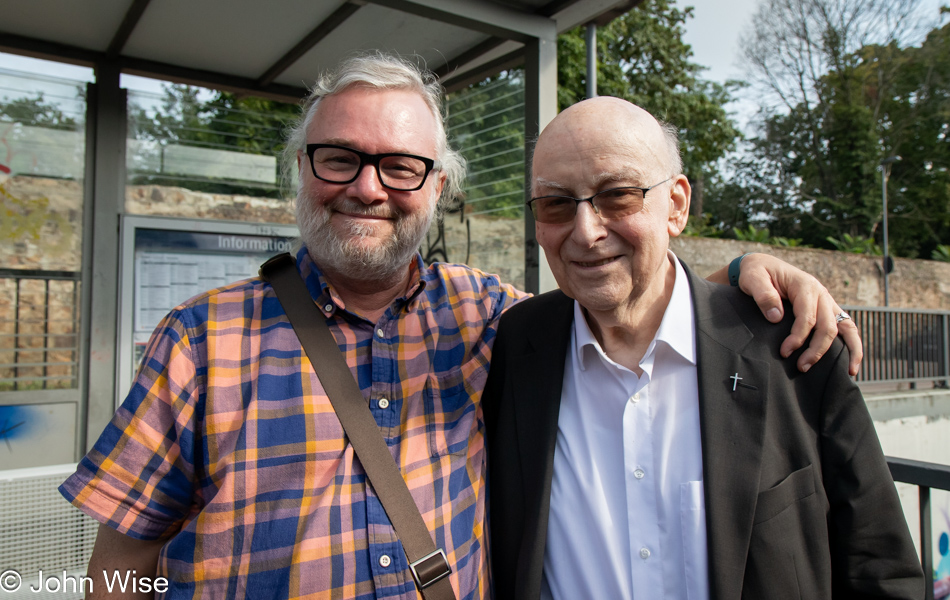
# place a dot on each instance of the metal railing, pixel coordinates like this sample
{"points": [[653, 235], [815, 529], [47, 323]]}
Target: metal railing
{"points": [[925, 476], [903, 345], [39, 329]]}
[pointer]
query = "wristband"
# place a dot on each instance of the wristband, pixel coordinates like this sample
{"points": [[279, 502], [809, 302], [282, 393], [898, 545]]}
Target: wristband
{"points": [[734, 269]]}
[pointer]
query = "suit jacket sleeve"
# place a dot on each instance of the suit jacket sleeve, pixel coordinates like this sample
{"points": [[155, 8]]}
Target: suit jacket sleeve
{"points": [[871, 550]]}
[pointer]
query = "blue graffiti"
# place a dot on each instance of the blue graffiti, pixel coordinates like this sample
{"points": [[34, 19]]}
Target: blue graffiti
{"points": [[15, 422]]}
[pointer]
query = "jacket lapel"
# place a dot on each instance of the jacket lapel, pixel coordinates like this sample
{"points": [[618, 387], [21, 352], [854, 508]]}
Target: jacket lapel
{"points": [[535, 384], [732, 422]]}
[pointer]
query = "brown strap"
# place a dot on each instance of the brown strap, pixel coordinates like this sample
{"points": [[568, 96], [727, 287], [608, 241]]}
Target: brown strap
{"points": [[429, 565]]}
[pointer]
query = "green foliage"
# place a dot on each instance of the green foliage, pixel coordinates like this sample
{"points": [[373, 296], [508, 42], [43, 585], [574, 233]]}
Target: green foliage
{"points": [[855, 244], [701, 226], [486, 124], [752, 234], [36, 112], [643, 58], [941, 253], [786, 242], [226, 122], [813, 170]]}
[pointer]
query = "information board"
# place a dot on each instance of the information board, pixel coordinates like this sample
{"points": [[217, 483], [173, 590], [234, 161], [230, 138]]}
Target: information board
{"points": [[173, 260]]}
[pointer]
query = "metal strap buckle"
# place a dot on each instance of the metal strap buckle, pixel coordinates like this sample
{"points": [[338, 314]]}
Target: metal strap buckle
{"points": [[430, 569]]}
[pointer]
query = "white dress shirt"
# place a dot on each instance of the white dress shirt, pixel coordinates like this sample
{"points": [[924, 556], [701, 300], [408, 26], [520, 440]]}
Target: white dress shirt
{"points": [[627, 516]]}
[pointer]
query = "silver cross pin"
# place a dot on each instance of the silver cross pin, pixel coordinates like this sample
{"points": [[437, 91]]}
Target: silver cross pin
{"points": [[735, 381]]}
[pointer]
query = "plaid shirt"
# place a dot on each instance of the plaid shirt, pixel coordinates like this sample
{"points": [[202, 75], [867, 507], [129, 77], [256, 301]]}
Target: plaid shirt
{"points": [[228, 444]]}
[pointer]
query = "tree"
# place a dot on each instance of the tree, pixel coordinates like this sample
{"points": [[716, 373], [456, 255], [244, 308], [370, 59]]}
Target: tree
{"points": [[36, 112], [642, 58], [225, 122], [841, 93], [486, 124]]}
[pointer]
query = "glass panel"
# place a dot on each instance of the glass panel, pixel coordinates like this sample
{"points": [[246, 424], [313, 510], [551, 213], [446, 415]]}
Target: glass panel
{"points": [[486, 229], [200, 153], [42, 161]]}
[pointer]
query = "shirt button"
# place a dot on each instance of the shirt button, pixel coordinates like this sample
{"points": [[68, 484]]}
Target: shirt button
{"points": [[383, 403], [328, 308], [644, 553], [639, 473], [385, 561], [379, 333], [635, 398]]}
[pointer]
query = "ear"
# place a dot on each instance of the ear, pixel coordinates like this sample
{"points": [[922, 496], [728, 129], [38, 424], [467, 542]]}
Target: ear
{"points": [[680, 194], [301, 159]]}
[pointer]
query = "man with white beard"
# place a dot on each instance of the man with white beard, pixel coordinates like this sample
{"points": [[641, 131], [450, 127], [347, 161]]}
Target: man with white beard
{"points": [[226, 470]]}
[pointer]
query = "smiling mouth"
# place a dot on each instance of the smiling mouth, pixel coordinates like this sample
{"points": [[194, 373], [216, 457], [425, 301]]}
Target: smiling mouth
{"points": [[364, 216], [596, 263]]}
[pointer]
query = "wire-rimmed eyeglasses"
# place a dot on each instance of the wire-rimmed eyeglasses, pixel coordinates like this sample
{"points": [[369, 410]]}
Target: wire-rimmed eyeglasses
{"points": [[396, 171], [614, 203]]}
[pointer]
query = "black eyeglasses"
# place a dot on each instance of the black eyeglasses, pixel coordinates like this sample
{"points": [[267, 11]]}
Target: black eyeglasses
{"points": [[614, 203], [339, 164]]}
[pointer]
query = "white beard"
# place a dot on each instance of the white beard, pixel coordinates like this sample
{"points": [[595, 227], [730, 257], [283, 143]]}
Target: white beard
{"points": [[349, 254]]}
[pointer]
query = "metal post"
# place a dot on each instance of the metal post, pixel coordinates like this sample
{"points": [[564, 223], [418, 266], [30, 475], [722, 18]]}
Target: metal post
{"points": [[46, 336], [105, 170], [926, 540], [591, 60], [540, 101], [16, 334], [884, 173], [945, 349]]}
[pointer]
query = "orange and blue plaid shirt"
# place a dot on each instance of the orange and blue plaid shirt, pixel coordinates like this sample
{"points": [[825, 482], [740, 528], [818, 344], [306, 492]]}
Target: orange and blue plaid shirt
{"points": [[228, 444]]}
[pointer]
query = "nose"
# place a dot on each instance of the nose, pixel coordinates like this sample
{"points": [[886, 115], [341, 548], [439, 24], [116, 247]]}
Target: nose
{"points": [[367, 188], [588, 226]]}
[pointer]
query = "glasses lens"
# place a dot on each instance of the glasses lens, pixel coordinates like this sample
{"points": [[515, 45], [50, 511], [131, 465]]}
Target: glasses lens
{"points": [[619, 202], [336, 165], [402, 172], [553, 209]]}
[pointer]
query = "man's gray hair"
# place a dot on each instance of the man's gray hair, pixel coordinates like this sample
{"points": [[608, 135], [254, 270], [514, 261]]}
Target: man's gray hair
{"points": [[671, 135], [384, 72]]}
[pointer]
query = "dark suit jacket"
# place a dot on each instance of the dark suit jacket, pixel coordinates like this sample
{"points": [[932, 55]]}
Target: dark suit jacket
{"points": [[799, 501]]}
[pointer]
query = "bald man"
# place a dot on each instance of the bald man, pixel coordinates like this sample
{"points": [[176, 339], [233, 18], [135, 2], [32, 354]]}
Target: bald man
{"points": [[646, 439]]}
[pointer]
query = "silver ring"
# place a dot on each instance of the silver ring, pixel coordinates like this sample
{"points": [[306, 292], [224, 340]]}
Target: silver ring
{"points": [[842, 316]]}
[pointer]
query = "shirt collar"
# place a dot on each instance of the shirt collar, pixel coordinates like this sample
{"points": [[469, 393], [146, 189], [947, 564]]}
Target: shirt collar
{"points": [[675, 331], [327, 298]]}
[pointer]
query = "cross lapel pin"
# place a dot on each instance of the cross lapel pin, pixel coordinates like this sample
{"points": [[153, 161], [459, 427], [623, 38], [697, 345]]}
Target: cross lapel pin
{"points": [[735, 380], [735, 383]]}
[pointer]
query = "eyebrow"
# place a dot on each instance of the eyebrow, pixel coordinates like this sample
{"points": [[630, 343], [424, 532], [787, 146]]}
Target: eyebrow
{"points": [[599, 180], [350, 144]]}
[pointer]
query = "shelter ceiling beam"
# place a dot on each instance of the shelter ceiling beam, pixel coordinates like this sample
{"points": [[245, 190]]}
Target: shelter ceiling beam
{"points": [[211, 79], [485, 17], [124, 32], [468, 56], [312, 39], [493, 67]]}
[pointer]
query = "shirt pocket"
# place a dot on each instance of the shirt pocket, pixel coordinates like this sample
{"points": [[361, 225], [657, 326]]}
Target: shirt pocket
{"points": [[450, 409]]}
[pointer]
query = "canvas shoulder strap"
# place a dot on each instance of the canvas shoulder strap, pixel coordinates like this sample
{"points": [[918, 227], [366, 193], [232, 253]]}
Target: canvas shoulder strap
{"points": [[429, 565]]}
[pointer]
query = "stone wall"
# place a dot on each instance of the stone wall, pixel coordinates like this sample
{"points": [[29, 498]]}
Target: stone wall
{"points": [[853, 279], [50, 215]]}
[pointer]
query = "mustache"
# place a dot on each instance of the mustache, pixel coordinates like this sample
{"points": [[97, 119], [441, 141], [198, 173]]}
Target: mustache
{"points": [[352, 207]]}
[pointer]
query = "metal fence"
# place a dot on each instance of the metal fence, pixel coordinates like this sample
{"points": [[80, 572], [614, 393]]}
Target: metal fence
{"points": [[39, 329], [903, 345], [925, 476]]}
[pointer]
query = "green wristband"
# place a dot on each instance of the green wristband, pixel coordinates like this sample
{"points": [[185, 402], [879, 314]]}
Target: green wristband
{"points": [[734, 269]]}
